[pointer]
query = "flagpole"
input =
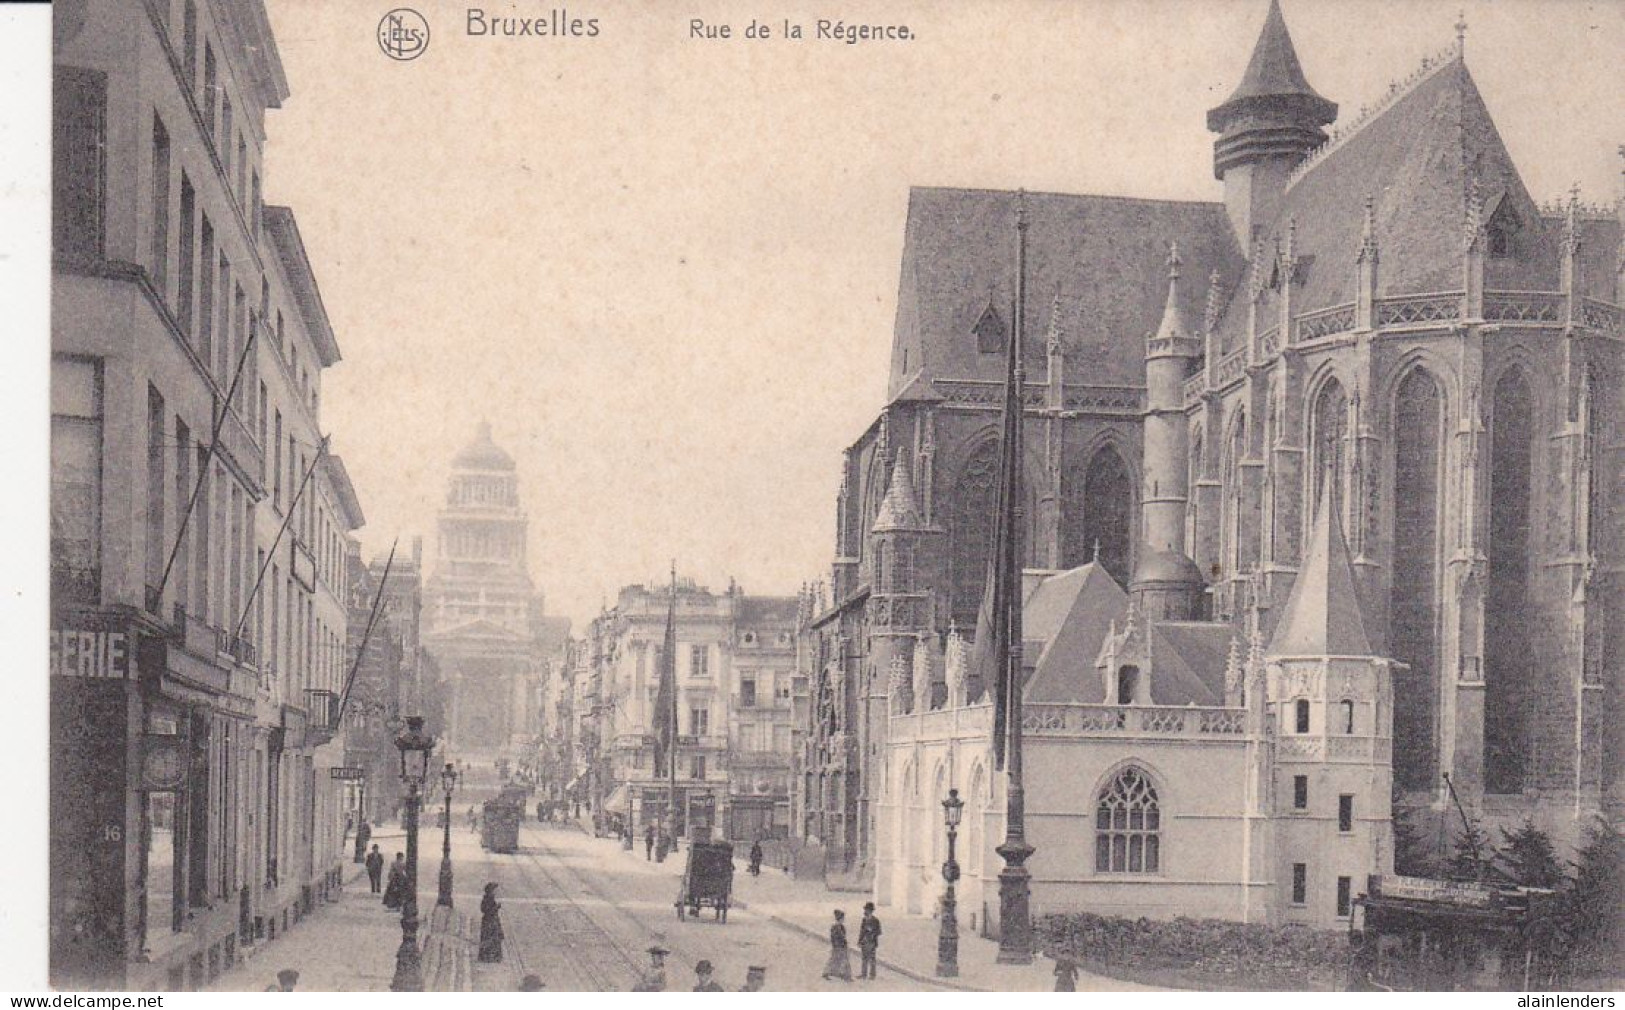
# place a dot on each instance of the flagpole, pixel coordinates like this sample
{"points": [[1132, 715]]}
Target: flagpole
{"points": [[671, 712], [1015, 919]]}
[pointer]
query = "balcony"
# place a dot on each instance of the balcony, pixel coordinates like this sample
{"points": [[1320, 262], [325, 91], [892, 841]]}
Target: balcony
{"points": [[321, 722], [238, 445], [240, 649]]}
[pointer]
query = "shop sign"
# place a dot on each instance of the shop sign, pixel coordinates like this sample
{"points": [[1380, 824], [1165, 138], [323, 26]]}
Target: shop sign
{"points": [[347, 774], [1421, 889], [163, 762], [90, 654]]}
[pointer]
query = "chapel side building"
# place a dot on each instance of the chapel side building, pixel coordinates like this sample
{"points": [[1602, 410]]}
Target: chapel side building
{"points": [[1381, 319]]}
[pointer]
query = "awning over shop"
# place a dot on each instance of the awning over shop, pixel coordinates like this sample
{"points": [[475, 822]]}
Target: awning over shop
{"points": [[616, 800]]}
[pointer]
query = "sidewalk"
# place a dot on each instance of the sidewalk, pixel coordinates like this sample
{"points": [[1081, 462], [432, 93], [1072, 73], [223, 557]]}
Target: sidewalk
{"points": [[908, 942], [344, 946]]}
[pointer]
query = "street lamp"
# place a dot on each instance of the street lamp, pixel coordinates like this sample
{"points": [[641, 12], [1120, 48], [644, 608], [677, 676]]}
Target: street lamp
{"points": [[448, 783], [415, 747], [948, 936]]}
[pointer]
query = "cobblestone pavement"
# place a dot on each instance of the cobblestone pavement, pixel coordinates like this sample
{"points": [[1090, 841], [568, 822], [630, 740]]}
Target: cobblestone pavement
{"points": [[580, 912]]}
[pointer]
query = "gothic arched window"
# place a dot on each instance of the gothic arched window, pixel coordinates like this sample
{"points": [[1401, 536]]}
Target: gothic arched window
{"points": [[1329, 433], [1413, 598], [1128, 823], [1507, 666], [1234, 450], [970, 530], [1108, 511]]}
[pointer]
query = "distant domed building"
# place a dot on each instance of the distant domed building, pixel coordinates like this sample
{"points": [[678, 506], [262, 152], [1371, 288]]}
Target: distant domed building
{"points": [[484, 618]]}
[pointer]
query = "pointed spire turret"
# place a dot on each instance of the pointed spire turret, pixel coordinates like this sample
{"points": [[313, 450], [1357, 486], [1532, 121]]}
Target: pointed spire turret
{"points": [[1322, 616], [900, 509], [1174, 337]]}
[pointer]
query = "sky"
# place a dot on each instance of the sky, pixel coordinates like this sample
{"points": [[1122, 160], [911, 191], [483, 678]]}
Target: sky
{"points": [[665, 269]]}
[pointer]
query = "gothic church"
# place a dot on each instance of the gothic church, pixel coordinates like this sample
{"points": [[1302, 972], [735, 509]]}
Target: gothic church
{"points": [[1376, 324]]}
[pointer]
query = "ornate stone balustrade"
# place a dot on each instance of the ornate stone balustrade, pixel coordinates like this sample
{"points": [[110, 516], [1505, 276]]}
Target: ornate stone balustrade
{"points": [[1230, 368], [1602, 317], [1419, 310], [1523, 307], [1193, 388], [1133, 720], [1269, 342], [1323, 323]]}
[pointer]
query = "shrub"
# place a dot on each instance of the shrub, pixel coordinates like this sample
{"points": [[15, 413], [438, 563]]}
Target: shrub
{"points": [[1200, 953]]}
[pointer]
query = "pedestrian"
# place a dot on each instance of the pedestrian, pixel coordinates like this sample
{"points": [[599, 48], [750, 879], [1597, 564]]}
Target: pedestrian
{"points": [[1066, 974], [531, 983], [703, 982], [473, 820], [756, 858], [654, 980], [287, 980], [649, 842], [868, 941], [840, 959], [395, 891], [490, 926], [375, 869], [755, 979], [363, 835]]}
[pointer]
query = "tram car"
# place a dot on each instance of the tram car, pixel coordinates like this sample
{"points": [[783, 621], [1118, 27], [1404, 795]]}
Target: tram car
{"points": [[500, 819]]}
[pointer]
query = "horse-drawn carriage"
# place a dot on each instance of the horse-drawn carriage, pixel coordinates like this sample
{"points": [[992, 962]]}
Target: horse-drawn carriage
{"points": [[708, 879]]}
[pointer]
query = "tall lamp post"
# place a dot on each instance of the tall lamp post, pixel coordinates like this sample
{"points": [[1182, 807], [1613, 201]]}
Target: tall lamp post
{"points": [[448, 783], [415, 747], [948, 936]]}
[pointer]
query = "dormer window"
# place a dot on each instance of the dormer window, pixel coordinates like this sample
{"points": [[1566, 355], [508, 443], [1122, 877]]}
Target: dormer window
{"points": [[990, 331], [1128, 684], [1500, 225]]}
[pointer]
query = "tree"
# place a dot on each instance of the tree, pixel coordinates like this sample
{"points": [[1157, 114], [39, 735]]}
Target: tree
{"points": [[1594, 904], [1470, 859], [1412, 855], [1526, 857]]}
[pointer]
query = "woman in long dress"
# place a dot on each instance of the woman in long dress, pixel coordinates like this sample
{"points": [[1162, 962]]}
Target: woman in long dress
{"points": [[490, 926], [840, 958], [395, 890]]}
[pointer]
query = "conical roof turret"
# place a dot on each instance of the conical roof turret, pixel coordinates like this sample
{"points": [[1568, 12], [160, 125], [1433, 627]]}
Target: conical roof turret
{"points": [[1322, 615], [900, 509], [1274, 112]]}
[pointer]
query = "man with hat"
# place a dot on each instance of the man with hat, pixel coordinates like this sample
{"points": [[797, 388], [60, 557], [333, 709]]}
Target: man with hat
{"points": [[755, 979], [868, 941], [287, 980], [703, 982], [654, 980]]}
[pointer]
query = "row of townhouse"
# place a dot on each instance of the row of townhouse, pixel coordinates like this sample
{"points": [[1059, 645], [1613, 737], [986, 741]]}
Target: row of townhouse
{"points": [[198, 522], [739, 706]]}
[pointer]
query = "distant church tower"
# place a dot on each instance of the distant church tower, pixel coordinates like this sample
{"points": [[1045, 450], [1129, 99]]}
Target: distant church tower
{"points": [[480, 600]]}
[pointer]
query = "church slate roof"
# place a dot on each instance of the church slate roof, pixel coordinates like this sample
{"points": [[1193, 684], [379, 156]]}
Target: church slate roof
{"points": [[1417, 159], [1322, 614], [1065, 620], [1106, 256], [900, 509]]}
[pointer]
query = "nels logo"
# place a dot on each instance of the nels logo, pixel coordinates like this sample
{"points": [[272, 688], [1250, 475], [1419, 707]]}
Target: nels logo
{"points": [[403, 34]]}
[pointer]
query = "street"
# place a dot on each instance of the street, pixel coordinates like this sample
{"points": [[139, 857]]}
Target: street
{"points": [[581, 913]]}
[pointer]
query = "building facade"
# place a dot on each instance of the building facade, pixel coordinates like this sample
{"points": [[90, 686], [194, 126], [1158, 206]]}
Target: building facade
{"points": [[1379, 321], [198, 518], [736, 698]]}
